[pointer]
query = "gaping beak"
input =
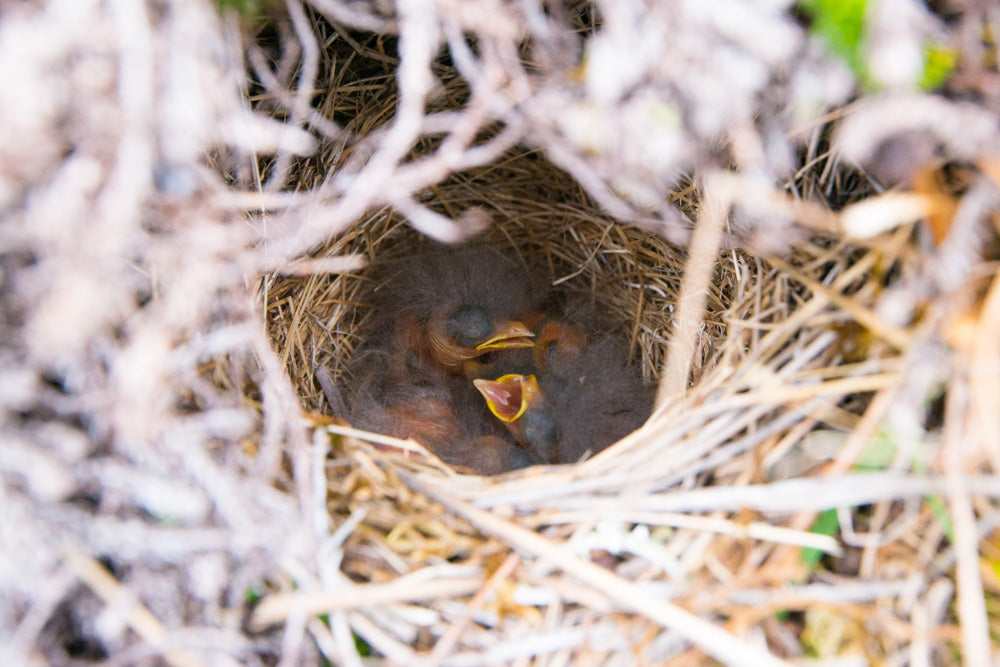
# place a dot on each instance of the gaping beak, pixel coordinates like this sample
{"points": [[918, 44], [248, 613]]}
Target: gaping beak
{"points": [[509, 396], [509, 335]]}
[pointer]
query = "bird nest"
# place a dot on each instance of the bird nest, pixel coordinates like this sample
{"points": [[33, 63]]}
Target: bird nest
{"points": [[721, 512], [817, 479]]}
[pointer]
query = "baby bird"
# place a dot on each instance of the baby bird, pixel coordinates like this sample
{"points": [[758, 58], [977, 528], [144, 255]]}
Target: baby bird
{"points": [[521, 406], [464, 302], [448, 315], [407, 386], [557, 342], [558, 336], [582, 402], [434, 412]]}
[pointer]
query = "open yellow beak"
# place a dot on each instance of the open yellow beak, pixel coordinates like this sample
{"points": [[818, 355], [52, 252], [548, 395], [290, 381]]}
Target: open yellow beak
{"points": [[510, 335], [508, 397]]}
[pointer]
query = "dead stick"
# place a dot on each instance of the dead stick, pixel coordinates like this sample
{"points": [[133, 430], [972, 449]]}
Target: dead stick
{"points": [[702, 255], [139, 618], [710, 638]]}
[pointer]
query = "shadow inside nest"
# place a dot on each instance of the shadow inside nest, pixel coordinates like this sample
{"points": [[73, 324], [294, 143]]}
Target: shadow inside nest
{"points": [[538, 341], [474, 355]]}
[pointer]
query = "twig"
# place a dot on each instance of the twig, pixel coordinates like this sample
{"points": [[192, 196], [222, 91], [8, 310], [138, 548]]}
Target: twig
{"points": [[139, 618], [755, 530], [455, 630], [971, 600], [790, 495], [712, 639], [702, 255], [899, 338], [276, 608]]}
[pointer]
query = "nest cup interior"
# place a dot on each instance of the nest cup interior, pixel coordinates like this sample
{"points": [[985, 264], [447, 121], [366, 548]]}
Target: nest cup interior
{"points": [[537, 213]]}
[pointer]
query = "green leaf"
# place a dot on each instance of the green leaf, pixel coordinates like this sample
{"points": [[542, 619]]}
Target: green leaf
{"points": [[878, 454], [840, 24], [939, 63], [246, 8], [363, 648], [940, 512], [252, 595], [826, 523]]}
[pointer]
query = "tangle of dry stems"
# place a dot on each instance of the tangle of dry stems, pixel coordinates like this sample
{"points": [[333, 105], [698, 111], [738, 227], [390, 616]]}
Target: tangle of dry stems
{"points": [[164, 457]]}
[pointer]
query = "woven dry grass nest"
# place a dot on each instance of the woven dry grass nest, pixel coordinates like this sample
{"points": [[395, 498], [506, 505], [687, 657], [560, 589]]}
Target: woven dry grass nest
{"points": [[806, 272], [791, 368]]}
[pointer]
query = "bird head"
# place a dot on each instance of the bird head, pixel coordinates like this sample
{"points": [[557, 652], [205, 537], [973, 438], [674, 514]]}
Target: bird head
{"points": [[469, 332], [518, 402], [558, 343]]}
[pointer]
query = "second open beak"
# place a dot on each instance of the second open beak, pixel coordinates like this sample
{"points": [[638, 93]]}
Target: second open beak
{"points": [[510, 396]]}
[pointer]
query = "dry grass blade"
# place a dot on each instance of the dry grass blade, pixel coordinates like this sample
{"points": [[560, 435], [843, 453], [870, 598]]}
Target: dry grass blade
{"points": [[277, 608], [447, 642], [709, 637], [897, 337], [138, 617], [702, 255]]}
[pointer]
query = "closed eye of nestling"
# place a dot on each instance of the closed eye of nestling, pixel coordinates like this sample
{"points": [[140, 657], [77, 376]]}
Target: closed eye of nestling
{"points": [[469, 326]]}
